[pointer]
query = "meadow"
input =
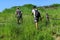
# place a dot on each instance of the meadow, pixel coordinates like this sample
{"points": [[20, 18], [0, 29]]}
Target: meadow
{"points": [[10, 30]]}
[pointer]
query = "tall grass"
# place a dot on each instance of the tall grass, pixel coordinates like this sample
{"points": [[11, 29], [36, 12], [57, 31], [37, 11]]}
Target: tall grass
{"points": [[10, 30]]}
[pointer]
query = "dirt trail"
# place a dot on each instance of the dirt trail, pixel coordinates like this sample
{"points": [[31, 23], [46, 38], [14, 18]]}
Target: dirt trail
{"points": [[58, 38]]}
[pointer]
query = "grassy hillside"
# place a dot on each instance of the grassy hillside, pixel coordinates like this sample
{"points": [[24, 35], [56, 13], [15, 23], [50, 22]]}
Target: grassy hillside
{"points": [[10, 30]]}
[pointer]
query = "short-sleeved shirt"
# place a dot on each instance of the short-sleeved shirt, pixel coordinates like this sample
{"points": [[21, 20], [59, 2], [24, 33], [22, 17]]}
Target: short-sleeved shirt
{"points": [[33, 11], [18, 12]]}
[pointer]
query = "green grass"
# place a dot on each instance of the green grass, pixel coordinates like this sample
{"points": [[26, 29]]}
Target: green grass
{"points": [[10, 30]]}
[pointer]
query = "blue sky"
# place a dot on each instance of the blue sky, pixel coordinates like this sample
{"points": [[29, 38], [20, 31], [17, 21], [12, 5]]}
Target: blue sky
{"points": [[10, 3]]}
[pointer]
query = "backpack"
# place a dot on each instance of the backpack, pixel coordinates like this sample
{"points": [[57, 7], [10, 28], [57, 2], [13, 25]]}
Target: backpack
{"points": [[37, 14]]}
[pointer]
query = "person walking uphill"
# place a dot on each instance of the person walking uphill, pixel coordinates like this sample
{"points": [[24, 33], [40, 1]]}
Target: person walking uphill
{"points": [[47, 19], [36, 16], [18, 15]]}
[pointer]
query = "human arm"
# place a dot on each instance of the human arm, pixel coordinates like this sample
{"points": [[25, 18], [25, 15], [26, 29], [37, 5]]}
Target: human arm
{"points": [[15, 13], [32, 12]]}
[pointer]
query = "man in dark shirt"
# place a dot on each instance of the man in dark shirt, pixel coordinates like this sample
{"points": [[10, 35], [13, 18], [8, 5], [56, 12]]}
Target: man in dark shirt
{"points": [[47, 19], [18, 15]]}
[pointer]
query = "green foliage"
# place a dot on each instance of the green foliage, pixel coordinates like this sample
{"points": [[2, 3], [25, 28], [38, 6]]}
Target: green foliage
{"points": [[10, 30], [55, 5], [28, 5]]}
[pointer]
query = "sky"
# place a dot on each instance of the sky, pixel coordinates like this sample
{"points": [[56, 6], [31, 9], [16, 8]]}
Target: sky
{"points": [[10, 3]]}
